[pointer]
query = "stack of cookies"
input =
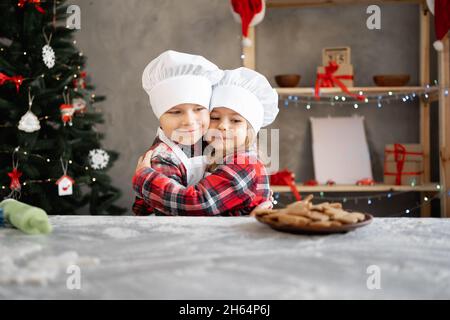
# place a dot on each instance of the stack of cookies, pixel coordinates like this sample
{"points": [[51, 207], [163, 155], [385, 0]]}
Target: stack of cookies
{"points": [[305, 214]]}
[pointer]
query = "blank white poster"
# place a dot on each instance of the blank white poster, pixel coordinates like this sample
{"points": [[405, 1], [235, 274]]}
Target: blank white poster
{"points": [[340, 150]]}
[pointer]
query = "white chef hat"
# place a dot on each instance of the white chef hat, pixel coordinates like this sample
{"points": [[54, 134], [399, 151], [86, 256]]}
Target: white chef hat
{"points": [[248, 93], [174, 78]]}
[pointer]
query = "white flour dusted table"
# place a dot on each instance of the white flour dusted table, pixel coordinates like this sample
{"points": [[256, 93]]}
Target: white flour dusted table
{"points": [[223, 258]]}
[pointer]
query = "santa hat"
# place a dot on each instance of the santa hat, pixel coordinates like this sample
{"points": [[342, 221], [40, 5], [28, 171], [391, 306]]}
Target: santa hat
{"points": [[441, 11], [174, 78], [248, 93], [249, 13]]}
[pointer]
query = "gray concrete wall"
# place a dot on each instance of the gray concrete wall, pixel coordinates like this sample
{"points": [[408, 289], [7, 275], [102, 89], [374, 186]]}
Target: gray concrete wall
{"points": [[121, 37]]}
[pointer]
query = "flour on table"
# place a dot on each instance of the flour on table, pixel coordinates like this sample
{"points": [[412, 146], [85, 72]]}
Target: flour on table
{"points": [[121, 233], [41, 270]]}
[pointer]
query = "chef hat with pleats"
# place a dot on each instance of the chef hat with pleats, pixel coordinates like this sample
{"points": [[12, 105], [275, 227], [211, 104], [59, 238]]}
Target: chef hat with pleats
{"points": [[248, 93], [175, 77]]}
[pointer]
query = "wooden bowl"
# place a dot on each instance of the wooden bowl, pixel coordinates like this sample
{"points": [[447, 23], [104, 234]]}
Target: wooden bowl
{"points": [[287, 80], [391, 80]]}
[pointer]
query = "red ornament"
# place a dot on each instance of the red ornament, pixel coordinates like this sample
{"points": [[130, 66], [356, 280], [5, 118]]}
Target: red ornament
{"points": [[67, 111], [330, 183], [37, 4], [15, 183], [17, 80], [80, 81]]}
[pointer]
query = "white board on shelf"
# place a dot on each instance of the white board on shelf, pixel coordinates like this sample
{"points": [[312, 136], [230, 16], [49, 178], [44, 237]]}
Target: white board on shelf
{"points": [[340, 149]]}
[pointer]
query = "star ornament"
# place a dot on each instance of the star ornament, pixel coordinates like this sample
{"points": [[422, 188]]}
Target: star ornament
{"points": [[15, 182]]}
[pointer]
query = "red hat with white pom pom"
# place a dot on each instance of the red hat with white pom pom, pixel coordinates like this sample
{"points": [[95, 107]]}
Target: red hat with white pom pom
{"points": [[249, 13], [441, 11]]}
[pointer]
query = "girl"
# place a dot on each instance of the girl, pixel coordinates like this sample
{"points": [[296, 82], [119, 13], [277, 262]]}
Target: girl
{"points": [[242, 103], [179, 86]]}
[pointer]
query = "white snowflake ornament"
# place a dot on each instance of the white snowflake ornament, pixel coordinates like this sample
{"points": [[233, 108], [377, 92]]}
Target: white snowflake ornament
{"points": [[48, 55], [98, 159], [29, 122]]}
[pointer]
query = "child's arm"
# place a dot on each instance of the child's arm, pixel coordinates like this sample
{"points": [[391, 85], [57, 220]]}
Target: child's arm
{"points": [[229, 187], [166, 165]]}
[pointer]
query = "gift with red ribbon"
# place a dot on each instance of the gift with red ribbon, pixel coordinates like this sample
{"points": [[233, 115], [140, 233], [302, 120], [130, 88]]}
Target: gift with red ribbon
{"points": [[329, 79], [407, 164], [285, 178], [37, 4], [17, 80]]}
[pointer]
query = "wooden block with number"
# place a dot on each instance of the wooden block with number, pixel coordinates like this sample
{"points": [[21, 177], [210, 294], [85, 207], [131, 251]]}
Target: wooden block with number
{"points": [[342, 55]]}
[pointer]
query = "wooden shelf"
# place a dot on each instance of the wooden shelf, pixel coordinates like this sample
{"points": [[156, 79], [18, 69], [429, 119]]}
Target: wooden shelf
{"points": [[431, 187], [320, 3]]}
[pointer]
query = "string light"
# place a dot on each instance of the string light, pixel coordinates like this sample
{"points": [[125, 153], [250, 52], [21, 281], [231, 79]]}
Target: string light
{"points": [[426, 202], [346, 100]]}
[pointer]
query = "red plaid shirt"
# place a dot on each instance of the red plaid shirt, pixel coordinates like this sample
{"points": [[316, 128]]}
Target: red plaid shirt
{"points": [[234, 188], [167, 163]]}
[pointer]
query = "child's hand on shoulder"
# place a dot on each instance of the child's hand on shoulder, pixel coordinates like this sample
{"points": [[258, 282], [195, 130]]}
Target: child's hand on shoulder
{"points": [[144, 161]]}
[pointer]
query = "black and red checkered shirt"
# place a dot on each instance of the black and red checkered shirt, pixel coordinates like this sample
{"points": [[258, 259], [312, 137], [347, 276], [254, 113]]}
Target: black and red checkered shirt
{"points": [[233, 189], [167, 163]]}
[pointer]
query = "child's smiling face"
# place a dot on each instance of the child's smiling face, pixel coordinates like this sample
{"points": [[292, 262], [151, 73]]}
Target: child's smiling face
{"points": [[185, 123], [227, 130]]}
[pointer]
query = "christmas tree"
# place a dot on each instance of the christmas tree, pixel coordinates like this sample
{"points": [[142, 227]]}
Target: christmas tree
{"points": [[50, 151]]}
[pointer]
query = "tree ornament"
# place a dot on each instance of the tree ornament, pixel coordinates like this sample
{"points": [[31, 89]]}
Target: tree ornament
{"points": [[14, 175], [65, 183], [29, 121], [79, 105], [37, 4], [48, 54], [17, 80], [67, 111], [98, 159], [80, 81]]}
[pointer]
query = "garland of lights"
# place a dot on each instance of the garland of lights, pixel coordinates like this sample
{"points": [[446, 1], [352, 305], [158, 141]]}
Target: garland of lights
{"points": [[47, 160], [379, 99], [389, 195]]}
